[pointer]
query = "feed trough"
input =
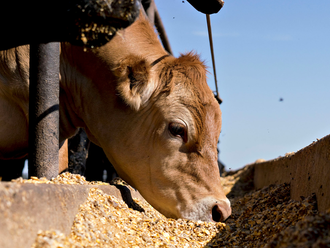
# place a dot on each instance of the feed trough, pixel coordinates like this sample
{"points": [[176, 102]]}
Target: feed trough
{"points": [[71, 212]]}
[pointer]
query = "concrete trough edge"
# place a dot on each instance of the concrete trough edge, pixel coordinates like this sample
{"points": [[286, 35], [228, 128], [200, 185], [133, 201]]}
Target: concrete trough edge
{"points": [[307, 171], [27, 208]]}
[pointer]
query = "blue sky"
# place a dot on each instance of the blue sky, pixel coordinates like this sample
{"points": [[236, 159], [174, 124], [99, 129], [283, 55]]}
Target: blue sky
{"points": [[264, 51]]}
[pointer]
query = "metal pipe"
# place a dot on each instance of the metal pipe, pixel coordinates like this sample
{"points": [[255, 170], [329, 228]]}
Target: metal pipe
{"points": [[162, 33], [217, 96], [150, 10], [44, 110]]}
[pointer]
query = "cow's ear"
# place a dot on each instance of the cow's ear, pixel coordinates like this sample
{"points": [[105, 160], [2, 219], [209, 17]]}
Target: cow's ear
{"points": [[133, 77]]}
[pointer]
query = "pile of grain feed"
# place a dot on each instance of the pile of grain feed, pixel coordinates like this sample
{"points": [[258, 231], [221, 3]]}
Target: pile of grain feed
{"points": [[261, 218]]}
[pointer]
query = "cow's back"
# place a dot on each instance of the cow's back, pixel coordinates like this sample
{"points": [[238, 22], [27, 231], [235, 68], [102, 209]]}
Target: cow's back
{"points": [[14, 97]]}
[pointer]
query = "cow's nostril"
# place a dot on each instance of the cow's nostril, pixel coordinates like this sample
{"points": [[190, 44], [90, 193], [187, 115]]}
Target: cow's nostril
{"points": [[217, 215]]}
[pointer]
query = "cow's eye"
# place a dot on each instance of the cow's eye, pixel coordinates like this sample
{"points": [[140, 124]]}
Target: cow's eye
{"points": [[178, 130]]}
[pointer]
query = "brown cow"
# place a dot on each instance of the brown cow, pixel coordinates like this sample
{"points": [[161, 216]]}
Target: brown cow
{"points": [[154, 116]]}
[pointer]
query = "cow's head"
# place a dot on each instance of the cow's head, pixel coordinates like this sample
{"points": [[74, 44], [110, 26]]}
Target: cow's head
{"points": [[165, 144]]}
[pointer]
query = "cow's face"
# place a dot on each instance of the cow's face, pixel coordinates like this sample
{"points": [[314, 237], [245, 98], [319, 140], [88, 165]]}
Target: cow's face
{"points": [[165, 141]]}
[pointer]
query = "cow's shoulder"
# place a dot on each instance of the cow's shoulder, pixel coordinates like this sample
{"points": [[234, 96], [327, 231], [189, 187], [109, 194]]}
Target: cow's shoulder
{"points": [[14, 72]]}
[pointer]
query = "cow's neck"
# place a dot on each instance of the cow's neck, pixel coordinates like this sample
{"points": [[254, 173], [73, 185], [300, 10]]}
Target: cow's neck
{"points": [[139, 39], [82, 70]]}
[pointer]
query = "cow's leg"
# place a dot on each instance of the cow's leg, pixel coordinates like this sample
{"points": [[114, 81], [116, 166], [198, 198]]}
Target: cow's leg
{"points": [[11, 169], [86, 158], [96, 163], [63, 157], [78, 151]]}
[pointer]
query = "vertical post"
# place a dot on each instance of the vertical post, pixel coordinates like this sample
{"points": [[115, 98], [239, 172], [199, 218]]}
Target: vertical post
{"points": [[217, 96], [162, 33], [44, 110]]}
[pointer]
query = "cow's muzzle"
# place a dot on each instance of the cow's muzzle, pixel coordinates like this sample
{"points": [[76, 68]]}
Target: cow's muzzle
{"points": [[220, 212]]}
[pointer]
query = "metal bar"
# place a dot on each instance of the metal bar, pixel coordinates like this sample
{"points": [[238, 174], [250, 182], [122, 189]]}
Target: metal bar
{"points": [[217, 96], [44, 110], [162, 33], [150, 11], [153, 15]]}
